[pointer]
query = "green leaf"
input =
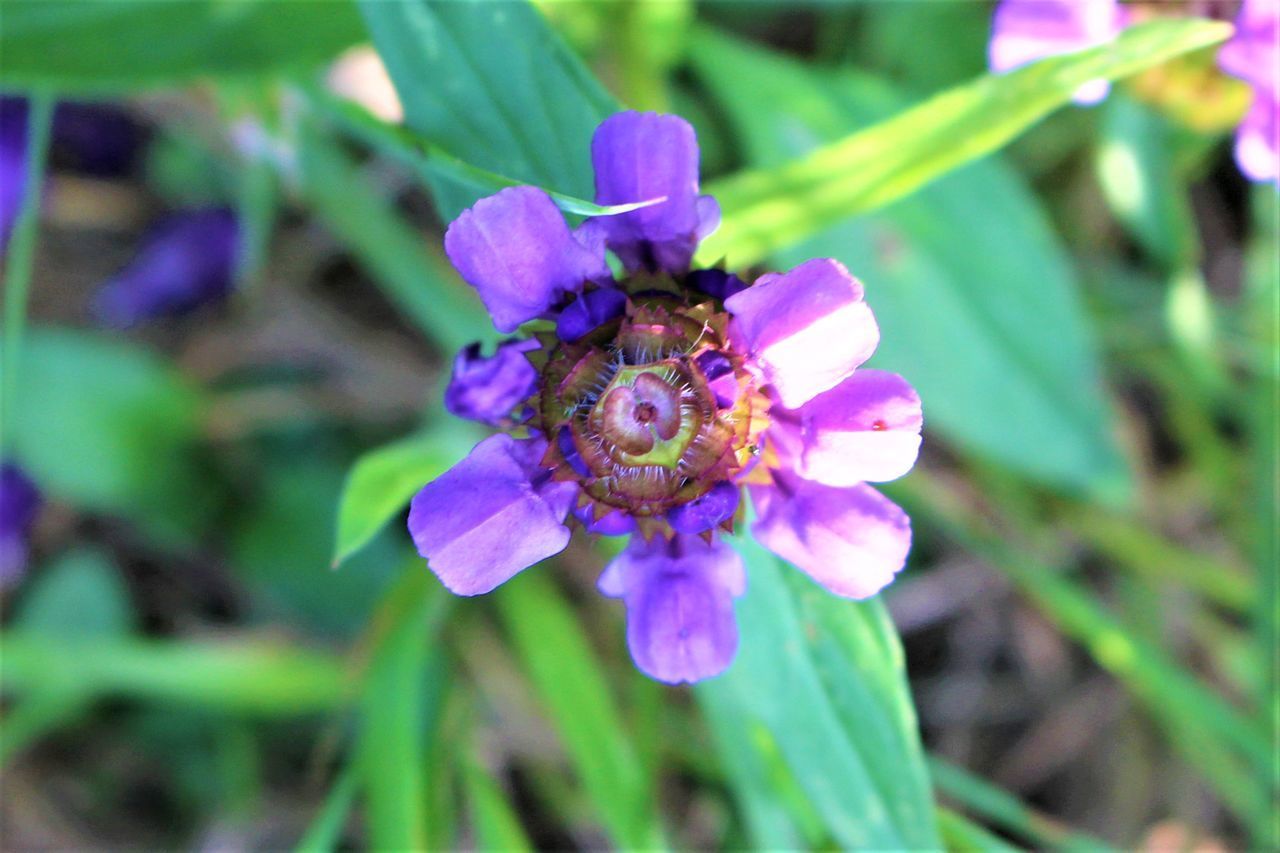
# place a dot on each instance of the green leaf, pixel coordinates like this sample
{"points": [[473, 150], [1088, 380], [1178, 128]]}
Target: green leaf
{"points": [[80, 596], [770, 209], [493, 818], [325, 832], [236, 676], [825, 677], [568, 678], [950, 290], [491, 83], [399, 711], [961, 834], [1006, 811], [109, 426], [78, 47], [383, 480], [1226, 745]]}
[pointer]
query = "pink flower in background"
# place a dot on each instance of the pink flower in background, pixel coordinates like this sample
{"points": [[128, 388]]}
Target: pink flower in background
{"points": [[1027, 30]]}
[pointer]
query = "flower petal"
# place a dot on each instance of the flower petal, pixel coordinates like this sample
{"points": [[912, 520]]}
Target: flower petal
{"points": [[486, 388], [704, 513], [806, 329], [679, 597], [1023, 31], [852, 541], [642, 156], [515, 249], [490, 516], [867, 428], [187, 260], [590, 311]]}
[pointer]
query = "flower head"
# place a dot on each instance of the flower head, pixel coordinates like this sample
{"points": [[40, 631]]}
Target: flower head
{"points": [[647, 403], [1023, 31]]}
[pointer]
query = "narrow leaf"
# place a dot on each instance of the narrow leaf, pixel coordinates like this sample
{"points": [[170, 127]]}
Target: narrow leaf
{"points": [[768, 210]]}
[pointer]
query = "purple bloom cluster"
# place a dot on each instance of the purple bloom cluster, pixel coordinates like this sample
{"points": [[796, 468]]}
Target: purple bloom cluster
{"points": [[644, 404], [1027, 30]]}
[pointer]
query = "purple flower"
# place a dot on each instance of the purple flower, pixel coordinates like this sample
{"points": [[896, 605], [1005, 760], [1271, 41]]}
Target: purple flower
{"points": [[187, 260], [19, 504], [1253, 55], [1023, 31], [1026, 30], [660, 397]]}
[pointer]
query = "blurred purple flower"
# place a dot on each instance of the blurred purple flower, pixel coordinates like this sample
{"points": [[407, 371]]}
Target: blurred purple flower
{"points": [[1253, 55], [659, 397], [1026, 30], [1023, 31], [97, 139], [187, 260], [19, 504]]}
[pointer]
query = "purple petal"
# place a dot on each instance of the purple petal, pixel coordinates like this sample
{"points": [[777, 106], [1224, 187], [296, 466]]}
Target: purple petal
{"points": [[806, 329], [715, 282], [515, 249], [852, 541], [704, 513], [487, 388], [613, 523], [590, 311], [1023, 31], [867, 428], [679, 597], [642, 156], [19, 504], [188, 260], [492, 515]]}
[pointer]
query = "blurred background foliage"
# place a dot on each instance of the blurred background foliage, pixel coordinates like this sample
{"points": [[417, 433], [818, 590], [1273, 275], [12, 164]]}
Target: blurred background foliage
{"points": [[225, 640]]}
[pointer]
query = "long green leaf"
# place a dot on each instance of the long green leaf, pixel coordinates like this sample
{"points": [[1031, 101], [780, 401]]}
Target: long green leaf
{"points": [[1230, 749], [493, 818], [491, 84], [569, 680], [825, 677], [770, 209], [980, 313], [399, 709], [240, 676], [77, 46]]}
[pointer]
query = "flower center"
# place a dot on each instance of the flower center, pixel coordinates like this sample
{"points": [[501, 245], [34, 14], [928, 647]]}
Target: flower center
{"points": [[650, 409]]}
